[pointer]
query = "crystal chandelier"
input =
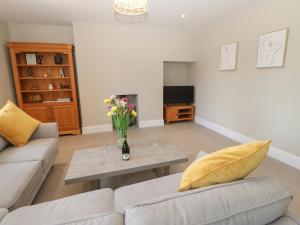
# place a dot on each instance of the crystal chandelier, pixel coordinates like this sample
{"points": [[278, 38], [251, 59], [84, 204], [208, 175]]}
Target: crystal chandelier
{"points": [[131, 7]]}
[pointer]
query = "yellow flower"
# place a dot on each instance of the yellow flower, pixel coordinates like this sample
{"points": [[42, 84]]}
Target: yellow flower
{"points": [[114, 108], [107, 101], [134, 113], [109, 114]]}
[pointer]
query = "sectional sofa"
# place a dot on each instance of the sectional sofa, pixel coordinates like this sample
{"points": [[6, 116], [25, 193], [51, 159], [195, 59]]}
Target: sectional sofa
{"points": [[256, 201], [23, 169]]}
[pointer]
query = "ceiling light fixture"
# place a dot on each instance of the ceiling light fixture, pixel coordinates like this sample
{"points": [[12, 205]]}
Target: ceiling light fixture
{"points": [[131, 7], [182, 16]]}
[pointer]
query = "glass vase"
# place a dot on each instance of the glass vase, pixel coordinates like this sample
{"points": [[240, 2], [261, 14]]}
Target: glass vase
{"points": [[121, 139]]}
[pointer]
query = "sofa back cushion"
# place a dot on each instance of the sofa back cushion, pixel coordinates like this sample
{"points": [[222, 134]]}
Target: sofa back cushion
{"points": [[3, 143], [253, 201]]}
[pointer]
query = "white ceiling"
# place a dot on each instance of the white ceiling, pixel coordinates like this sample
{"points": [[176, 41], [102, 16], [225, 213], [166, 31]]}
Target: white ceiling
{"points": [[162, 13]]}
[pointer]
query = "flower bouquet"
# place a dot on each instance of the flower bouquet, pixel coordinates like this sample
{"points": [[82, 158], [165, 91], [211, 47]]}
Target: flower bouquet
{"points": [[122, 114]]}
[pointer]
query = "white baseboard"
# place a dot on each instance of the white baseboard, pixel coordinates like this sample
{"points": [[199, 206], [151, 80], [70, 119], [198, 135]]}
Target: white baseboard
{"points": [[151, 123], [276, 153], [108, 127], [97, 129]]}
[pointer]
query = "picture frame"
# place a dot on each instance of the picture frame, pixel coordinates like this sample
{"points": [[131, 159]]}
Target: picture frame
{"points": [[31, 59], [272, 49], [228, 56]]}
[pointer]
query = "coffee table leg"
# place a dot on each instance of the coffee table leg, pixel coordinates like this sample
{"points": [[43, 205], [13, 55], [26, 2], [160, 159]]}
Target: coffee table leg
{"points": [[166, 170], [98, 184]]}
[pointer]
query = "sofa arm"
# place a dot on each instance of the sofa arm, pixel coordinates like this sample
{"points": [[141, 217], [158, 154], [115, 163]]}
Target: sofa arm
{"points": [[46, 130], [3, 213], [293, 217]]}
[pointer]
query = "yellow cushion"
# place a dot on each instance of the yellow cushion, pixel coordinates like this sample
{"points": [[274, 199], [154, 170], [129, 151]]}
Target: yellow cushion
{"points": [[15, 125], [225, 165]]}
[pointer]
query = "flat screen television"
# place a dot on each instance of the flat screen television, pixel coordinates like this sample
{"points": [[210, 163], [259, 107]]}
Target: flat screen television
{"points": [[178, 94]]}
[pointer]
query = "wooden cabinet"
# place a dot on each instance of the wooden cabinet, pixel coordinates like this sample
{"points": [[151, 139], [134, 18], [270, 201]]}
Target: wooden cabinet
{"points": [[65, 117], [45, 83], [40, 113], [173, 113]]}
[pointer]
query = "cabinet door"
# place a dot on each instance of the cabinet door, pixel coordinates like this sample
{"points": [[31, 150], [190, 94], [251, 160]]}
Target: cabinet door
{"points": [[172, 114], [40, 113], [64, 116]]}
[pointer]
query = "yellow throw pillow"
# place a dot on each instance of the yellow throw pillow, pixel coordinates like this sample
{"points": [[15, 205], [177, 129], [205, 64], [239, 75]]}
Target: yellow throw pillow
{"points": [[225, 165], [15, 125]]}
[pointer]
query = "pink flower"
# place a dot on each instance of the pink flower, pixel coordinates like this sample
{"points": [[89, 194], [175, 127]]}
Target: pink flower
{"points": [[131, 106], [109, 107], [124, 99], [113, 96]]}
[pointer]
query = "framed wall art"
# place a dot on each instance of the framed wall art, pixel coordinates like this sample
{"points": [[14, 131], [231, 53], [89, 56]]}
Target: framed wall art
{"points": [[228, 60], [272, 49]]}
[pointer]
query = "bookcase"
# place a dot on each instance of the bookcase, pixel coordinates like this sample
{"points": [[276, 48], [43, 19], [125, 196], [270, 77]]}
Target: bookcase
{"points": [[45, 83]]}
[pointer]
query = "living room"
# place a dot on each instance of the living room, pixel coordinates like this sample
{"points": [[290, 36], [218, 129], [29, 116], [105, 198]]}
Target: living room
{"points": [[101, 53]]}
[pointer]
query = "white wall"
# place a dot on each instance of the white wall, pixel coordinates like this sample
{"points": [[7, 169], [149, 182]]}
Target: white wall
{"points": [[177, 73], [259, 103], [6, 87], [40, 33], [124, 60]]}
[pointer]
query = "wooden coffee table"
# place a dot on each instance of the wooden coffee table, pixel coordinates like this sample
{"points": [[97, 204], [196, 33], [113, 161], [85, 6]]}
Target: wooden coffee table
{"points": [[106, 161]]}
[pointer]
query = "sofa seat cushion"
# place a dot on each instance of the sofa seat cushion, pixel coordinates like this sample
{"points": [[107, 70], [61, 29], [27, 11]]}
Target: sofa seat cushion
{"points": [[3, 143], [36, 150], [63, 210], [111, 218], [135, 193], [17, 179], [252, 201]]}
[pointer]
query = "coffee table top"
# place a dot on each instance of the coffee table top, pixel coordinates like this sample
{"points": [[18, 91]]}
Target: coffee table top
{"points": [[106, 161]]}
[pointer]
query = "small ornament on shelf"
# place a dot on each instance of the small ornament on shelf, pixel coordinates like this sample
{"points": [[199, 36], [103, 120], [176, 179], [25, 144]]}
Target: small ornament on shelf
{"points": [[35, 98], [61, 72], [31, 59], [64, 86], [45, 75], [58, 59], [30, 71], [50, 87], [39, 59], [34, 87]]}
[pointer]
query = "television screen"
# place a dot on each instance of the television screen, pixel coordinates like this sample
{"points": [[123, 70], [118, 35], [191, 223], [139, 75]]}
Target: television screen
{"points": [[178, 94]]}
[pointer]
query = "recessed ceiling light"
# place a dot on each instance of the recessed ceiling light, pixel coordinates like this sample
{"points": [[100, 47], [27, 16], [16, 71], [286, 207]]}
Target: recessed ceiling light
{"points": [[183, 16]]}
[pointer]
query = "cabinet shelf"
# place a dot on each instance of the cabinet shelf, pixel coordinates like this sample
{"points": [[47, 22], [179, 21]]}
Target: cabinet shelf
{"points": [[28, 104], [44, 78], [43, 65], [185, 113], [58, 90]]}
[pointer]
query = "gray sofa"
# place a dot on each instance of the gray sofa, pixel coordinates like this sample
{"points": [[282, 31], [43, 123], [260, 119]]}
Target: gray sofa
{"points": [[23, 169], [256, 201]]}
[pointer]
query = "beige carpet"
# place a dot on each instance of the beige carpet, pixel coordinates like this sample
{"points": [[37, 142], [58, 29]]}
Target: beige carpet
{"points": [[188, 137]]}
